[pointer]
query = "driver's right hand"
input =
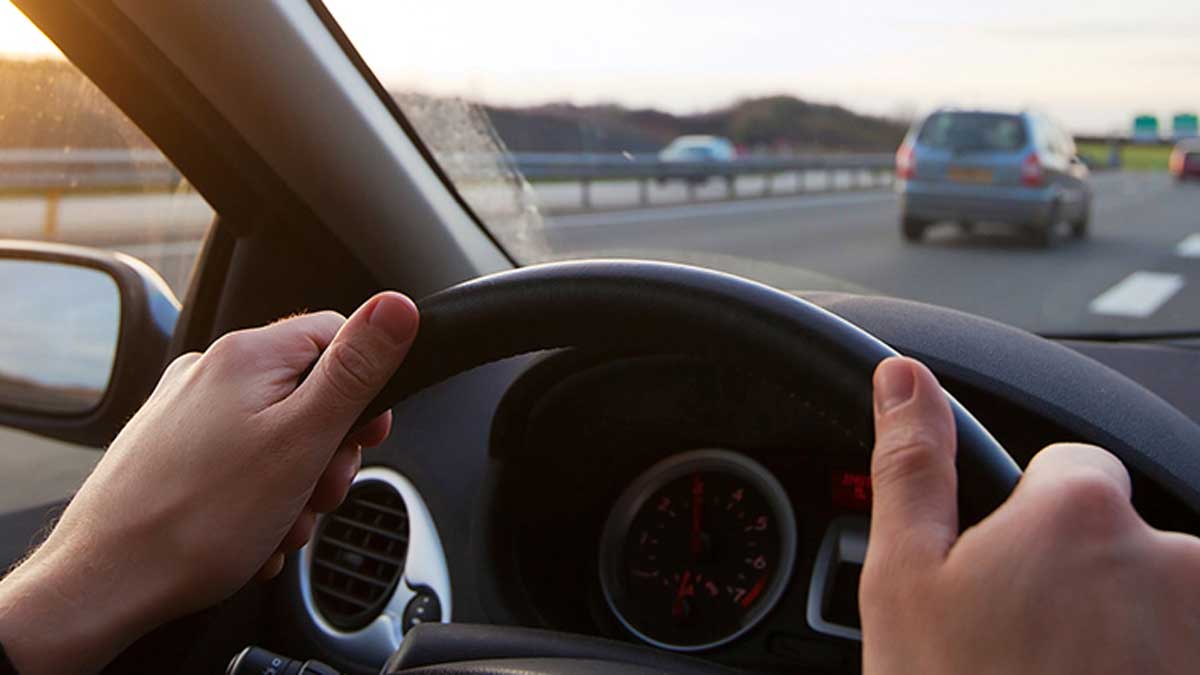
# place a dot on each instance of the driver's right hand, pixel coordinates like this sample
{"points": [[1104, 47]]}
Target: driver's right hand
{"points": [[1065, 577]]}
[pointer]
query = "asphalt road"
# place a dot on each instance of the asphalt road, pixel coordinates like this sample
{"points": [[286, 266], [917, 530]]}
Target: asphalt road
{"points": [[1137, 272]]}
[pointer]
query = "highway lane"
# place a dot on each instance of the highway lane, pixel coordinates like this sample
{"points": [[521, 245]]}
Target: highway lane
{"points": [[814, 240], [1139, 222]]}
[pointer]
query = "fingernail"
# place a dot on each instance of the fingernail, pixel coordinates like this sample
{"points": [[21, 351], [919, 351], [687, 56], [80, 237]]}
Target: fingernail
{"points": [[396, 315], [894, 384], [355, 466]]}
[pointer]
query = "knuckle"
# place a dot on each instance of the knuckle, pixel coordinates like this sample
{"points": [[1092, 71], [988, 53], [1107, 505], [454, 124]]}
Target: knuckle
{"points": [[231, 347], [1088, 501], [180, 364], [350, 371], [901, 457]]}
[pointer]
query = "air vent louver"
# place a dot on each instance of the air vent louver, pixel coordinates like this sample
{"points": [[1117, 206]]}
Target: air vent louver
{"points": [[359, 554]]}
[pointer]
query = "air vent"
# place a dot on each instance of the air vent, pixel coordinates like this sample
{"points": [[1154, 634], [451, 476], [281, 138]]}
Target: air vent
{"points": [[359, 555]]}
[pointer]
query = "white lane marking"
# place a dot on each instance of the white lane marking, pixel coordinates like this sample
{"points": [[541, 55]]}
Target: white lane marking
{"points": [[1189, 247], [1138, 295], [711, 209]]}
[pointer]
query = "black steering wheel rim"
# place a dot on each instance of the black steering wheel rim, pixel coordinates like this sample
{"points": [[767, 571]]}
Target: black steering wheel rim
{"points": [[654, 307]]}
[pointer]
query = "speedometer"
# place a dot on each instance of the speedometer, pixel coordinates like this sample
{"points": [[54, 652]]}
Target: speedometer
{"points": [[697, 550]]}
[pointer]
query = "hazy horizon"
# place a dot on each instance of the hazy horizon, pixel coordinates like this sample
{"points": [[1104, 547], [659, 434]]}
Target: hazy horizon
{"points": [[1093, 65]]}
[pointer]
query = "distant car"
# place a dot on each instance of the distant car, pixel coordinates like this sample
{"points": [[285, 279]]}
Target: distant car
{"points": [[1185, 159], [698, 148], [970, 166], [695, 148]]}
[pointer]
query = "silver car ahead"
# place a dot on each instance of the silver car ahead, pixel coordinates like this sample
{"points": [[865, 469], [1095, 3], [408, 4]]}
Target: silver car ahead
{"points": [[970, 166]]}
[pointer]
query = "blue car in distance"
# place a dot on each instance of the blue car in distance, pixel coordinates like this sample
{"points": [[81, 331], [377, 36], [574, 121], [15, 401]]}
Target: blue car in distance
{"points": [[972, 166]]}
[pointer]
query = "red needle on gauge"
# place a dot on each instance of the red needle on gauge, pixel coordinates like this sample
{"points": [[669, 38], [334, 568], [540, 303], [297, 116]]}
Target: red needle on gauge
{"points": [[677, 608], [697, 507]]}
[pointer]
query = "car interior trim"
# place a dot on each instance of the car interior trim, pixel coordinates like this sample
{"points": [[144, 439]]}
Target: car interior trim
{"points": [[424, 568], [845, 541]]}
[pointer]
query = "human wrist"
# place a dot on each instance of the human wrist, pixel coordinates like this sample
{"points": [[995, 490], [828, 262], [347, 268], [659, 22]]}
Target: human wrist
{"points": [[71, 608]]}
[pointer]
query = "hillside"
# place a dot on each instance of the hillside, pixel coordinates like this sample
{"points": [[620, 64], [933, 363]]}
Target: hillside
{"points": [[47, 104], [775, 122]]}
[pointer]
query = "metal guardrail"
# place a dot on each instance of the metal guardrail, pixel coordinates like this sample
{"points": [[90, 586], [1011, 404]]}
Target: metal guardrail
{"points": [[40, 171], [50, 174], [589, 168], [546, 166], [54, 173]]}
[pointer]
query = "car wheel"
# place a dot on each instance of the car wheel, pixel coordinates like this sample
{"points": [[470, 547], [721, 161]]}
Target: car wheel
{"points": [[1040, 235], [913, 229], [1043, 233], [1079, 226]]}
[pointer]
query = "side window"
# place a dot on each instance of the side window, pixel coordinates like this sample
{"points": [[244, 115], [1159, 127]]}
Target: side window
{"points": [[74, 169]]}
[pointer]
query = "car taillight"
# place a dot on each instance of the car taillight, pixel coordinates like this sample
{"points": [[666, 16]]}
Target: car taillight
{"points": [[1031, 171], [906, 163], [1175, 164]]}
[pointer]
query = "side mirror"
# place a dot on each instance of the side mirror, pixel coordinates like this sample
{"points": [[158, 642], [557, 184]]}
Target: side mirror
{"points": [[84, 336]]}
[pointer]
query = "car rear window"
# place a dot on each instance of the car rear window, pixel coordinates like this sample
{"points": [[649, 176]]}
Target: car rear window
{"points": [[973, 132]]}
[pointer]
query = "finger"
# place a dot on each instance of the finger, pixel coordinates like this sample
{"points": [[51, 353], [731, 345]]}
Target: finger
{"points": [[1081, 490], [1075, 461], [299, 340], [280, 352], [333, 485], [356, 365], [914, 510], [372, 433], [271, 568], [301, 532]]}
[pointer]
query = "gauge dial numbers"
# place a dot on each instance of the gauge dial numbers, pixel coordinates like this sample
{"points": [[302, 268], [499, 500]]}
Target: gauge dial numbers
{"points": [[697, 550]]}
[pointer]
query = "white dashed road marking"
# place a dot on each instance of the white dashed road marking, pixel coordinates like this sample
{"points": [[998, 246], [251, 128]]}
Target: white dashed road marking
{"points": [[1189, 247], [1138, 295]]}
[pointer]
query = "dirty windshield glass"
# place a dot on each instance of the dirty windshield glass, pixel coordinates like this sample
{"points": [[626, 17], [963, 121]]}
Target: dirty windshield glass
{"points": [[1017, 160]]}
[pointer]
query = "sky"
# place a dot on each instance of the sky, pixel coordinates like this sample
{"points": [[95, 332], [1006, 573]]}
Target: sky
{"points": [[1093, 64]]}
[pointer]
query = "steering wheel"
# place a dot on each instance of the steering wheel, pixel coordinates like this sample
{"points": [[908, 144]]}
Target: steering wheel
{"points": [[650, 307]]}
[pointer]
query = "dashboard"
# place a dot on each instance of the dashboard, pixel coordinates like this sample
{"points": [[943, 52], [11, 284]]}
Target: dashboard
{"points": [[692, 507], [680, 505]]}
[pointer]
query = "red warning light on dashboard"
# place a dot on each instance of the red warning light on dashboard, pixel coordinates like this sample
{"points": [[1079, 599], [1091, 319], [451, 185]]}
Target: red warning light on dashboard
{"points": [[850, 491]]}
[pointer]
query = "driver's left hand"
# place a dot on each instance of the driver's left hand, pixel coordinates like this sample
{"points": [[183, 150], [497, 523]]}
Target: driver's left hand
{"points": [[219, 475]]}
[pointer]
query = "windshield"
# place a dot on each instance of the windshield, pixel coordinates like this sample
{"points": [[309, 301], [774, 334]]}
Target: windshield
{"points": [[1013, 161]]}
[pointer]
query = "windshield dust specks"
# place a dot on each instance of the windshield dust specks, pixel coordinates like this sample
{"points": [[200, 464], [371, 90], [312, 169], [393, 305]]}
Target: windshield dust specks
{"points": [[462, 138]]}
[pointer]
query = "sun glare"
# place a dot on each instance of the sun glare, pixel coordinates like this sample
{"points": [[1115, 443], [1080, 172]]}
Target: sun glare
{"points": [[20, 38]]}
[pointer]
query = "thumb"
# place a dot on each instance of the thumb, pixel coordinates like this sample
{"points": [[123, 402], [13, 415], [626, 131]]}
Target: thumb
{"points": [[914, 511], [356, 365]]}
